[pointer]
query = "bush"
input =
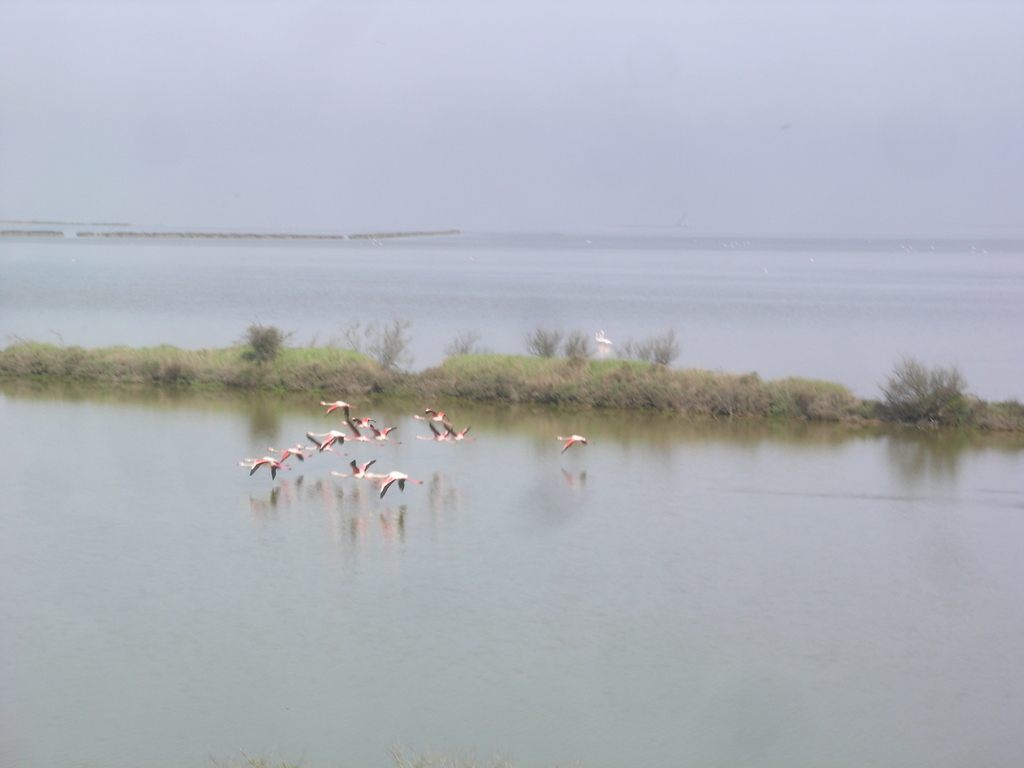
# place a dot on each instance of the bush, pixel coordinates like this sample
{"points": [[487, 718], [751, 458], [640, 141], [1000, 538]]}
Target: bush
{"points": [[1008, 415], [543, 343], [577, 344], [654, 349], [386, 344], [265, 342], [389, 345], [913, 393], [463, 344]]}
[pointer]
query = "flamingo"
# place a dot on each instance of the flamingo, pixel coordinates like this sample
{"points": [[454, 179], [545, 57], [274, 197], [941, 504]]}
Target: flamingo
{"points": [[461, 435], [570, 440], [434, 416], [329, 439], [381, 435], [336, 405], [602, 339], [268, 461], [359, 471], [396, 477], [357, 436], [364, 423], [296, 451], [439, 437]]}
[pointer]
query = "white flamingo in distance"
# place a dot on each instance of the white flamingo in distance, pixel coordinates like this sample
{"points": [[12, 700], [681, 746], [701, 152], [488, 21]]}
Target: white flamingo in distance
{"points": [[602, 339], [396, 477], [268, 461], [572, 439], [358, 471]]}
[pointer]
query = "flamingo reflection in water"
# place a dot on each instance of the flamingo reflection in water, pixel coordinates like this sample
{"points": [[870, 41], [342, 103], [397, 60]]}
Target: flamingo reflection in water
{"points": [[442, 498], [389, 527], [575, 482]]}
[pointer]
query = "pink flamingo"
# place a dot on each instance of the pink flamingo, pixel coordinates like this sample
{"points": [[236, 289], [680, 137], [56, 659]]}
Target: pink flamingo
{"points": [[570, 440], [336, 405], [381, 435], [461, 435], [441, 438], [434, 416], [396, 477], [359, 471], [268, 461], [296, 451], [357, 436], [329, 439], [364, 423]]}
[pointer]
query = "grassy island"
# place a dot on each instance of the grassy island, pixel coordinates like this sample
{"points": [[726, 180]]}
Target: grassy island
{"points": [[915, 396]]}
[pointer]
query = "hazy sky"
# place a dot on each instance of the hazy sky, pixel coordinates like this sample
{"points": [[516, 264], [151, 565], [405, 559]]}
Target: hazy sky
{"points": [[752, 118]]}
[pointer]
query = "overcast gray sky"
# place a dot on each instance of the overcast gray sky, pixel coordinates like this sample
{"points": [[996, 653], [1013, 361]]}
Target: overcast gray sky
{"points": [[754, 118]]}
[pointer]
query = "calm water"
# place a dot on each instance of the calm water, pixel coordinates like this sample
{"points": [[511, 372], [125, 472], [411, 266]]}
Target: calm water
{"points": [[842, 316], [673, 594]]}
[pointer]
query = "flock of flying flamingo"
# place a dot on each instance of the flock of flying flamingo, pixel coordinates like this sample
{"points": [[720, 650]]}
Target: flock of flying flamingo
{"points": [[324, 441]]}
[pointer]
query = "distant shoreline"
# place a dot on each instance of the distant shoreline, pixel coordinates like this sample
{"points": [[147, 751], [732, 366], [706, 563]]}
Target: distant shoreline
{"points": [[265, 236], [661, 240], [221, 235]]}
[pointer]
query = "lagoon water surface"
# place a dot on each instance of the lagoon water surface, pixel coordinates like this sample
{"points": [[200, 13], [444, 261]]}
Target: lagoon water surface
{"points": [[674, 593]]}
